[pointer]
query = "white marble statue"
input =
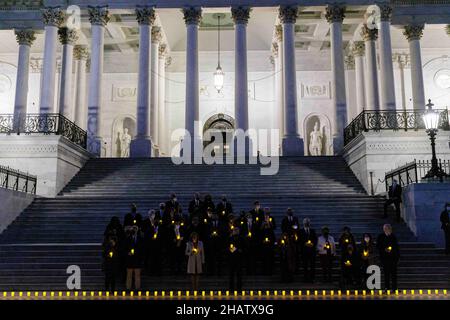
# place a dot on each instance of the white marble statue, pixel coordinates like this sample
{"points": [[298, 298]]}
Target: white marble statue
{"points": [[315, 141], [125, 143]]}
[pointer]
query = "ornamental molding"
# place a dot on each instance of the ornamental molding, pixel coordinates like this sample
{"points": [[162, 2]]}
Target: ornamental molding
{"points": [[335, 13], [385, 11], [192, 15], [25, 37], [369, 34], [279, 33], [67, 36], [402, 59], [240, 15], [53, 16], [28, 150], [168, 61], [80, 53], [145, 15], [349, 60], [275, 49], [156, 34], [288, 14], [162, 51], [413, 32], [36, 64], [358, 48], [99, 15]]}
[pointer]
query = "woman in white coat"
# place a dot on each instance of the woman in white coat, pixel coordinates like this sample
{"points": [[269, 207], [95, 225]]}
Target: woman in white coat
{"points": [[196, 259]]}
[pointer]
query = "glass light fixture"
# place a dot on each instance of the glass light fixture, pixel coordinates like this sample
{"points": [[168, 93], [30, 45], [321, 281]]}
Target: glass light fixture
{"points": [[219, 75], [431, 117]]}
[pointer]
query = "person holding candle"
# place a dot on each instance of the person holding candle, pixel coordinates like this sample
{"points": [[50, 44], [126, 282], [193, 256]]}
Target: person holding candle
{"points": [[287, 257], [176, 241], [326, 247], [307, 245], [267, 241], [196, 207], [134, 257], [216, 236], [249, 231], [235, 250], [110, 262], [152, 242], [196, 259], [350, 267], [132, 218], [367, 255], [346, 239], [389, 254], [224, 208]]}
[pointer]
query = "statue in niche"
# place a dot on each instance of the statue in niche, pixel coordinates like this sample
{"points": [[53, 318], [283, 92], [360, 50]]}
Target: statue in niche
{"points": [[125, 143], [118, 144], [315, 141]]}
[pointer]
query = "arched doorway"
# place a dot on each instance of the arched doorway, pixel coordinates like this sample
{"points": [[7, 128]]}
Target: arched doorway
{"points": [[219, 125]]}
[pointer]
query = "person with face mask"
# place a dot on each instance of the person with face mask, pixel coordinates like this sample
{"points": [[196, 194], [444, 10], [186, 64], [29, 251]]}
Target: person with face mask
{"points": [[326, 247], [389, 253], [394, 197], [307, 245], [367, 255], [224, 209]]}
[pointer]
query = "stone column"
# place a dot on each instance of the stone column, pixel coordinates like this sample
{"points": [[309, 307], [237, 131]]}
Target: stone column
{"points": [[387, 87], [99, 17], [154, 106], [280, 80], [141, 146], [292, 143], [53, 19], [335, 15], [67, 37], [25, 39], [358, 53], [370, 36], [162, 132], [81, 55], [192, 16], [402, 60], [413, 33]]}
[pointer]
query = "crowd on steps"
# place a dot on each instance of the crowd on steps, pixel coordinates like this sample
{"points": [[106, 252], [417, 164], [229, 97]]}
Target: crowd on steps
{"points": [[212, 240]]}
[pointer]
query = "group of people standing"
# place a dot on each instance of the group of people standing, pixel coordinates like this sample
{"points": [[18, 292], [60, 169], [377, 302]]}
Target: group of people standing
{"points": [[211, 239]]}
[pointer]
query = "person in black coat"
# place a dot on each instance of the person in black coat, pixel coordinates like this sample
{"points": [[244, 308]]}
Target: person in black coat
{"points": [[235, 249], [367, 255], [151, 229], [173, 204], [307, 245], [394, 197], [290, 223], [208, 203], [389, 254], [267, 241], [445, 226], [132, 218], [216, 236], [177, 244], [350, 267], [134, 256], [249, 231], [196, 207], [110, 264], [288, 251], [346, 239], [224, 209]]}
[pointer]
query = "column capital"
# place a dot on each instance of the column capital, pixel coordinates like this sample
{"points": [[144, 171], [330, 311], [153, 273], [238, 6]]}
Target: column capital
{"points": [[99, 15], [274, 49], [25, 36], [288, 14], [162, 51], [369, 34], [145, 15], [358, 48], [53, 16], [413, 32], [385, 11], [80, 53], [402, 59], [192, 15], [67, 36], [349, 60], [272, 60], [156, 34], [279, 32], [168, 61], [335, 13], [240, 14]]}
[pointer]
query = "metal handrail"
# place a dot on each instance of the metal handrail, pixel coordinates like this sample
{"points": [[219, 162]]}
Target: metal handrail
{"points": [[17, 180]]}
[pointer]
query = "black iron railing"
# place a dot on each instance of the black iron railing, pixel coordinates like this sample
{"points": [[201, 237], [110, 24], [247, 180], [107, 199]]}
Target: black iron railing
{"points": [[413, 172], [50, 123], [372, 120], [17, 180]]}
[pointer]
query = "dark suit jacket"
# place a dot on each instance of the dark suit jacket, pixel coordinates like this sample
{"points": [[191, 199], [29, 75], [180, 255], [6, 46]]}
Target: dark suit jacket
{"points": [[130, 218], [196, 209], [304, 237], [445, 221], [286, 225], [384, 242], [395, 193]]}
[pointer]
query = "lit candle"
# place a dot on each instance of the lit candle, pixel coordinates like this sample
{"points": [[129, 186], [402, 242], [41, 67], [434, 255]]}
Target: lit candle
{"points": [[282, 242], [389, 249], [111, 254], [346, 240], [194, 250], [366, 253], [155, 235], [266, 239], [132, 251], [173, 221], [134, 221], [231, 247], [348, 263], [182, 224], [214, 233], [178, 237], [257, 218], [223, 212], [309, 243], [205, 220], [249, 234], [327, 246]]}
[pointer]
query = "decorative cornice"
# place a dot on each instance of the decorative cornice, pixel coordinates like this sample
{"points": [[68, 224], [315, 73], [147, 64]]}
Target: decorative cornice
{"points": [[335, 13], [358, 48], [288, 14], [67, 36], [192, 15], [168, 61], [402, 59], [279, 33], [274, 49], [162, 51], [156, 34], [240, 14], [413, 32], [385, 11], [99, 15], [145, 15], [80, 53], [25, 36], [369, 34], [36, 64], [53, 16]]}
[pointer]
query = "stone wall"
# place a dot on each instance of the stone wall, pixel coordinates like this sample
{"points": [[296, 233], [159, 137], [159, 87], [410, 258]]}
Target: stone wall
{"points": [[53, 159], [13, 203]]}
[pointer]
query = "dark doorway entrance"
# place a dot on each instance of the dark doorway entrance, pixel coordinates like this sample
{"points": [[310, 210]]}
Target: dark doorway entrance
{"points": [[219, 125]]}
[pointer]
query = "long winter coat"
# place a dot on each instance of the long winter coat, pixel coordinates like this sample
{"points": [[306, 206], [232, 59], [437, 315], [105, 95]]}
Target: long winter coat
{"points": [[195, 259]]}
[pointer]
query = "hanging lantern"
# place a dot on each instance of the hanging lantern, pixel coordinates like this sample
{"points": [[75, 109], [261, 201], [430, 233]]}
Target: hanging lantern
{"points": [[218, 74]]}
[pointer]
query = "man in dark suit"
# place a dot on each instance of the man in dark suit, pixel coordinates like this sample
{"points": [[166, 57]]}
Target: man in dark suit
{"points": [[307, 246], [445, 226], [235, 249], [196, 207], [216, 236], [152, 243], [289, 224], [249, 230], [173, 204], [389, 254], [394, 197], [223, 209], [132, 218], [267, 241]]}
